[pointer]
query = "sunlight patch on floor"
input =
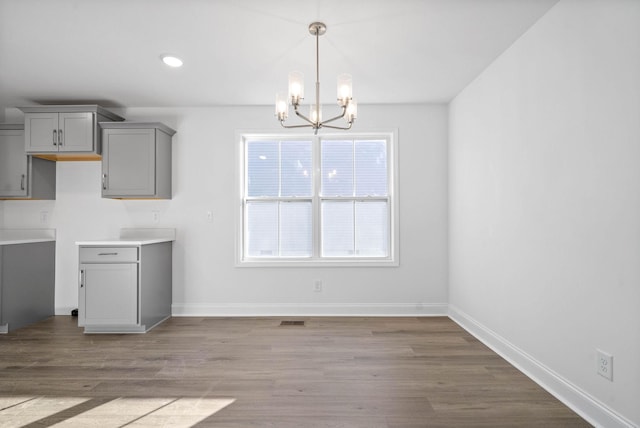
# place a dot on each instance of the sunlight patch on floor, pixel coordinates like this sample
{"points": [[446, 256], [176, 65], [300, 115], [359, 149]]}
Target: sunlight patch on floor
{"points": [[22, 410], [132, 412]]}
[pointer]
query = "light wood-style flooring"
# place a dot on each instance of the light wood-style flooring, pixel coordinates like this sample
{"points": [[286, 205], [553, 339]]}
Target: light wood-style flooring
{"points": [[253, 372]]}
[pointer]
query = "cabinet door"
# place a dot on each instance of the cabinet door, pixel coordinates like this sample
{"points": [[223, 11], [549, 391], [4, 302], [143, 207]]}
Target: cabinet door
{"points": [[108, 294], [76, 132], [13, 164], [41, 132], [128, 162]]}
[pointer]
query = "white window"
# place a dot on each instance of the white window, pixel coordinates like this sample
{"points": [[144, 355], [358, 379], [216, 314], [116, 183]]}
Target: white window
{"points": [[318, 200]]}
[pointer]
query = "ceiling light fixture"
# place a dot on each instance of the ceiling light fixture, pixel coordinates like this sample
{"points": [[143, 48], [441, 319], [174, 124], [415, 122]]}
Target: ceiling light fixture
{"points": [[171, 61], [296, 95]]}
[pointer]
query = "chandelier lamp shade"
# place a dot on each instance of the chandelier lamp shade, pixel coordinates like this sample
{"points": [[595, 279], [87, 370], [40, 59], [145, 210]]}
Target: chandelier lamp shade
{"points": [[296, 94]]}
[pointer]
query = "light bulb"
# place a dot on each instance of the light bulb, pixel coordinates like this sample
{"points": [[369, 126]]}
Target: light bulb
{"points": [[282, 107], [345, 89], [296, 87], [352, 111], [315, 115]]}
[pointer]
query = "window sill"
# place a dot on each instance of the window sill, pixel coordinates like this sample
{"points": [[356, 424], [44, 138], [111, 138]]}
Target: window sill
{"points": [[287, 263]]}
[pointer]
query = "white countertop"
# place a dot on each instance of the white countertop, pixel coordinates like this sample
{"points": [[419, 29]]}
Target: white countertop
{"points": [[123, 242], [26, 236], [134, 238]]}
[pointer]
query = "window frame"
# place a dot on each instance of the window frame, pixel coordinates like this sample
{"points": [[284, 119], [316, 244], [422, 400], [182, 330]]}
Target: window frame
{"points": [[317, 260]]}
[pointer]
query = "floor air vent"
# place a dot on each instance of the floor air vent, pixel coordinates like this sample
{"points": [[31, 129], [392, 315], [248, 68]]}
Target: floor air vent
{"points": [[292, 323]]}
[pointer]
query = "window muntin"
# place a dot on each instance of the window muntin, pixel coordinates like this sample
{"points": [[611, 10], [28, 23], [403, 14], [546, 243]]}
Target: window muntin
{"points": [[317, 199]]}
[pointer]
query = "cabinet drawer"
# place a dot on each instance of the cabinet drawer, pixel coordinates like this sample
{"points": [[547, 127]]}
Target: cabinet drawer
{"points": [[108, 254]]}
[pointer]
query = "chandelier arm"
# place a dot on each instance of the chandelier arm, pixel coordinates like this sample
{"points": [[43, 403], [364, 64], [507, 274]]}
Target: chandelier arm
{"points": [[295, 126], [343, 128], [303, 117], [310, 124], [340, 116]]}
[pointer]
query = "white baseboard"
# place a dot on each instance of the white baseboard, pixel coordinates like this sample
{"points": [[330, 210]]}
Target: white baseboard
{"points": [[592, 410], [309, 309], [65, 310]]}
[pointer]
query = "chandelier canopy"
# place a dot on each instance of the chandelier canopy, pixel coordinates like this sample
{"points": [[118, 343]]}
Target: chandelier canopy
{"points": [[296, 95]]}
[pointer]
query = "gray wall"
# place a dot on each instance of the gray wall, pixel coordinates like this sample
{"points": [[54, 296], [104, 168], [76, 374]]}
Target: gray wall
{"points": [[545, 202], [206, 280]]}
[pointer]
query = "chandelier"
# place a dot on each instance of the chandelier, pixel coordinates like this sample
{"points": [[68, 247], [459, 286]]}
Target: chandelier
{"points": [[296, 95]]}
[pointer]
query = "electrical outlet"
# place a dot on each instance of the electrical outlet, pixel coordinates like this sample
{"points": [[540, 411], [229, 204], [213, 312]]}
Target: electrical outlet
{"points": [[44, 217], [155, 216], [604, 364], [317, 286], [210, 216]]}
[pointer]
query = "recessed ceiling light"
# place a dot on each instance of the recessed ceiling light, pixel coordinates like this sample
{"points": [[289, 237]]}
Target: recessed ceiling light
{"points": [[172, 61]]}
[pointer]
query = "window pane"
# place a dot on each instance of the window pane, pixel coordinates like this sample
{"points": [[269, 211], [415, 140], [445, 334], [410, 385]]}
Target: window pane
{"points": [[337, 228], [262, 229], [371, 168], [295, 229], [372, 229], [296, 168], [262, 168], [337, 168]]}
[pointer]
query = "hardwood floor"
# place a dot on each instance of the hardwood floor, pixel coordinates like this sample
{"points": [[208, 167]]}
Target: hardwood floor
{"points": [[252, 372]]}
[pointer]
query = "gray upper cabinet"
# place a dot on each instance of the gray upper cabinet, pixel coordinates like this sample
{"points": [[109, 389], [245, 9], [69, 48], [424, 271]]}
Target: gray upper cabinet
{"points": [[21, 176], [136, 160], [13, 162], [65, 132]]}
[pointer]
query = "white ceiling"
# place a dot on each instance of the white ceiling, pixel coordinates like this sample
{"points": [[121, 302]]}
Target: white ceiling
{"points": [[239, 52]]}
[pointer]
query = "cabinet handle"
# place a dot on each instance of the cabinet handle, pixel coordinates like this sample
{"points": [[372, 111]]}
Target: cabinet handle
{"points": [[104, 181], [81, 278], [22, 182], [55, 137], [59, 137], [107, 254]]}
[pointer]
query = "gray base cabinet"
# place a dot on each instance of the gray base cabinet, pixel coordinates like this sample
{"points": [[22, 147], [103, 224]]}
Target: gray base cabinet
{"points": [[124, 289], [65, 132], [136, 160], [27, 284], [22, 176]]}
